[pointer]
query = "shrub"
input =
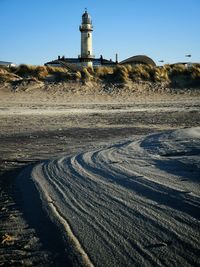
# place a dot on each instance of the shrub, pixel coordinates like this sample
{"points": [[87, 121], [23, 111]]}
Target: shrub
{"points": [[78, 76], [60, 74], [41, 72], [195, 71], [167, 67], [103, 72], [8, 77], [178, 74], [140, 72], [160, 74], [4, 77], [178, 69], [53, 70], [25, 70], [120, 74], [90, 70], [4, 70], [129, 68], [86, 76]]}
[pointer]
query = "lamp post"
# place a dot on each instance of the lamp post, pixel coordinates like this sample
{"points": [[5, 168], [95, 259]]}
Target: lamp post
{"points": [[188, 63], [161, 60]]}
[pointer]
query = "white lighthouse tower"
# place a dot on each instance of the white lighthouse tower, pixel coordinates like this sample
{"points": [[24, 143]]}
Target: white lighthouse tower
{"points": [[86, 29]]}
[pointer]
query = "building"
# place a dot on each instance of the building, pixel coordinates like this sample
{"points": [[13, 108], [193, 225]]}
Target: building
{"points": [[140, 59], [7, 64], [86, 57], [77, 63]]}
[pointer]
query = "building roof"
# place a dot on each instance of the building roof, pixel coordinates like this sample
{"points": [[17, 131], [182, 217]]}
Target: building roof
{"points": [[96, 61], [5, 63], [139, 59], [86, 18]]}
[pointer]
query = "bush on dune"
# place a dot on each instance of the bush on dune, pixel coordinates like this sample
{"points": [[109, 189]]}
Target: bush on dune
{"points": [[77, 76], [28, 71], [185, 75], [125, 73], [60, 74], [53, 70], [25, 70], [173, 75], [195, 72], [140, 72], [41, 72], [102, 72], [160, 74], [149, 73], [4, 70], [120, 74], [6, 75], [86, 75], [178, 69]]}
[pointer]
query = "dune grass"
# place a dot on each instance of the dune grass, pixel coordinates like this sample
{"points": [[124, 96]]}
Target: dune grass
{"points": [[195, 72], [6, 75], [123, 74]]}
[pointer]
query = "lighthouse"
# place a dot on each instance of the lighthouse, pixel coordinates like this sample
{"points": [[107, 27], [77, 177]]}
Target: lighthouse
{"points": [[86, 28]]}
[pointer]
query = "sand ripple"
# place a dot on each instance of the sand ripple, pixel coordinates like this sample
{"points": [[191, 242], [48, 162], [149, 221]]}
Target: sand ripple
{"points": [[135, 203]]}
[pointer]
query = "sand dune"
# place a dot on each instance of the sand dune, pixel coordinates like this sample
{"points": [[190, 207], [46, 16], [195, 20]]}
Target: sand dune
{"points": [[134, 203]]}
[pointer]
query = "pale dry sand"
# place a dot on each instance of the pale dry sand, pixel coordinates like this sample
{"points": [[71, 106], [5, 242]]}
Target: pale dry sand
{"points": [[129, 203], [38, 125]]}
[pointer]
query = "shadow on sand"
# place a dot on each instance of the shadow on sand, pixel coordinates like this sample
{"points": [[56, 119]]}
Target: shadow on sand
{"points": [[27, 201]]}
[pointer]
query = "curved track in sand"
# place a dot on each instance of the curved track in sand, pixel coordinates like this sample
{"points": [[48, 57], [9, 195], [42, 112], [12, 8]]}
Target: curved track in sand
{"points": [[135, 203]]}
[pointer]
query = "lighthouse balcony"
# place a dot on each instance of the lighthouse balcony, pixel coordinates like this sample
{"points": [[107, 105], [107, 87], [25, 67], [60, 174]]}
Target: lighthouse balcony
{"points": [[86, 27], [86, 56]]}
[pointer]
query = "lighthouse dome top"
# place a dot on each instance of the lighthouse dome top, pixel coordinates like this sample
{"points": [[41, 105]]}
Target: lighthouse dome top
{"points": [[86, 18]]}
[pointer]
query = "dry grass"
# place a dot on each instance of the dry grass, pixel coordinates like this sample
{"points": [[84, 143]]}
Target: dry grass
{"points": [[195, 72], [86, 75], [140, 72], [123, 74], [184, 76], [7, 239], [4, 70], [53, 70], [25, 70], [78, 76], [178, 69], [161, 74], [42, 72], [6, 75], [102, 72]]}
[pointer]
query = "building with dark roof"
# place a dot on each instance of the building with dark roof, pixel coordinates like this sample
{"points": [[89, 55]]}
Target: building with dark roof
{"points": [[7, 64], [76, 62]]}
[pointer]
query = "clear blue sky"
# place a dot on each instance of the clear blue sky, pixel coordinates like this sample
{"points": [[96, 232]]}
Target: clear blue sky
{"points": [[36, 31]]}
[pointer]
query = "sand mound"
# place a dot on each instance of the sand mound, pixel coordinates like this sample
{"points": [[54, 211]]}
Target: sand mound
{"points": [[129, 203]]}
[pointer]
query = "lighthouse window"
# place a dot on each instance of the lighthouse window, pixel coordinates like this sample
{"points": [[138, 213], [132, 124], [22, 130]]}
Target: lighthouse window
{"points": [[88, 35], [88, 52]]}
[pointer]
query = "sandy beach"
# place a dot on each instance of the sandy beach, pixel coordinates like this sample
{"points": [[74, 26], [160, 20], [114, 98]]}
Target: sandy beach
{"points": [[100, 134], [99, 183]]}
